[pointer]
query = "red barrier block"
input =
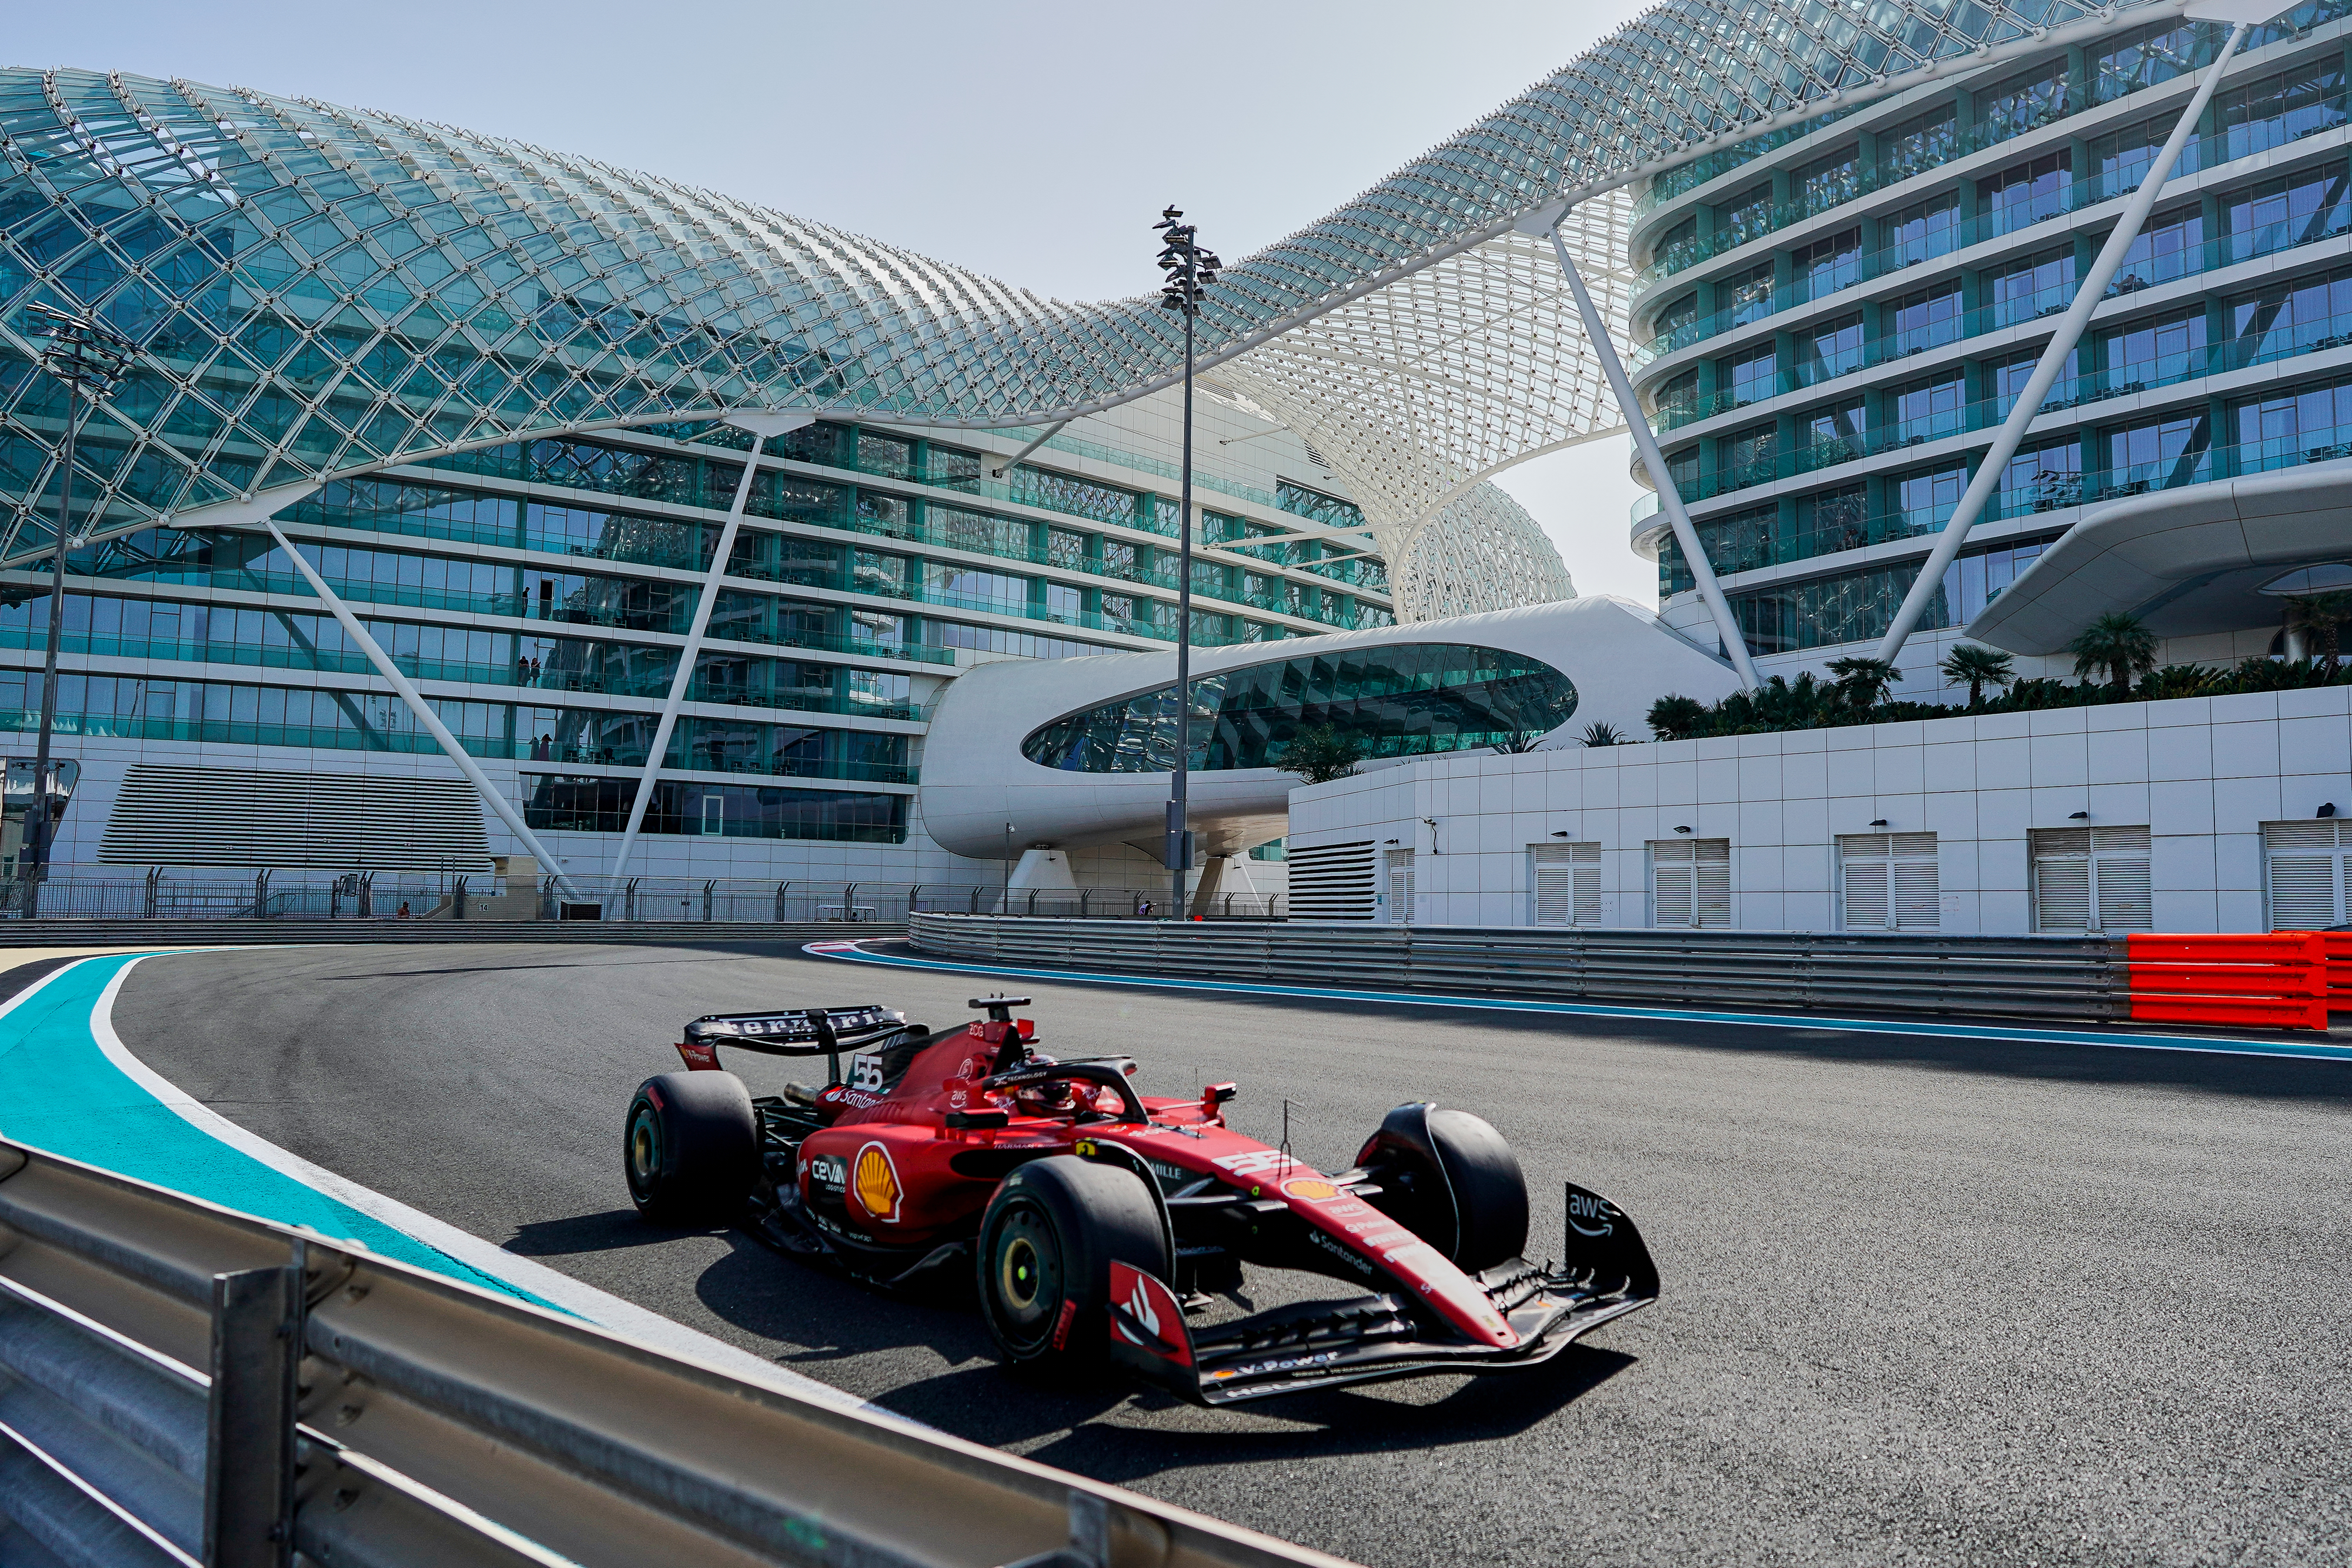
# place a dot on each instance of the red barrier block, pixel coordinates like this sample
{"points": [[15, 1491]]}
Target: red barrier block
{"points": [[2291, 982], [2232, 1012], [2228, 948], [2338, 947]]}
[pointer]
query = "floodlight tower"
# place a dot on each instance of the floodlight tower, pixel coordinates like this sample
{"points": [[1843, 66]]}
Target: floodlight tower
{"points": [[1186, 270], [89, 357]]}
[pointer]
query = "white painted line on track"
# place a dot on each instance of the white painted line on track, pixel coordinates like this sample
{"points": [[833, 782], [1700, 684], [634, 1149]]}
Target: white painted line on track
{"points": [[585, 1302], [855, 953]]}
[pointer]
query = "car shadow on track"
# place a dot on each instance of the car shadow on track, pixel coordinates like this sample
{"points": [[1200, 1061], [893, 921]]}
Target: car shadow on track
{"points": [[826, 1319], [613, 1230]]}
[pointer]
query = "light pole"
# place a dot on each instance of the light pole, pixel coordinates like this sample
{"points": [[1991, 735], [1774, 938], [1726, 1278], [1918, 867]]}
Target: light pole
{"points": [[1187, 271], [90, 358]]}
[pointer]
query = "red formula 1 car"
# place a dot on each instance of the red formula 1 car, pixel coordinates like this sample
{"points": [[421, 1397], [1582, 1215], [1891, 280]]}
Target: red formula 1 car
{"points": [[1098, 1221]]}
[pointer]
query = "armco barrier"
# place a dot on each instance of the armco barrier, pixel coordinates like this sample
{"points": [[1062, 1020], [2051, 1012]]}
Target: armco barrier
{"points": [[2276, 979], [180, 1384], [2055, 978], [269, 933]]}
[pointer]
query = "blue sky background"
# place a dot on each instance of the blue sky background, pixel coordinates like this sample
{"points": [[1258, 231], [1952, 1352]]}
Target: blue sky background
{"points": [[1036, 141]]}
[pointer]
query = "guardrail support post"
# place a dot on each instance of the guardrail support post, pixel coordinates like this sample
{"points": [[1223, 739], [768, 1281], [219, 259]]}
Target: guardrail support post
{"points": [[249, 1437], [709, 895]]}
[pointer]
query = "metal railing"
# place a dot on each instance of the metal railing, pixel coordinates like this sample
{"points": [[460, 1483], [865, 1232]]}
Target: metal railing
{"points": [[2075, 978], [183, 1384], [298, 895]]}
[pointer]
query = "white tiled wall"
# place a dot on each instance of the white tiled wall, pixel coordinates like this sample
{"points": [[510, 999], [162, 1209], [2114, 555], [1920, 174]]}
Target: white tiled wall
{"points": [[2203, 772]]}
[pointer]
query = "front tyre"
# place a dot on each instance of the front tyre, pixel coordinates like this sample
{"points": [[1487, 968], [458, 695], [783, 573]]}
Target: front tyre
{"points": [[690, 1147], [1448, 1176], [1045, 1248]]}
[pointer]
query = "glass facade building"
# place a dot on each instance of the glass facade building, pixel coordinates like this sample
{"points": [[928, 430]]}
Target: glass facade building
{"points": [[1833, 320]]}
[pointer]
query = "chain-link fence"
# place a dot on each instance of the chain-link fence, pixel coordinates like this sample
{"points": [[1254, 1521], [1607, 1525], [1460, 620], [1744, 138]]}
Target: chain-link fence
{"points": [[112, 893]]}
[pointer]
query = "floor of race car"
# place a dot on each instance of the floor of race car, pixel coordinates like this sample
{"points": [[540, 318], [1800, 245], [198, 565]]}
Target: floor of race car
{"points": [[1925, 1302]]}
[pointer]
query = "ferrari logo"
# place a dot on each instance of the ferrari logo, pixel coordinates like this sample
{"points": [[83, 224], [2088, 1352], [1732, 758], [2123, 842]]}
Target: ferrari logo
{"points": [[877, 1184]]}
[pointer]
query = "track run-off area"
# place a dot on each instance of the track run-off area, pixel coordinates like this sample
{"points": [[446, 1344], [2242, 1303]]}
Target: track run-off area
{"points": [[1927, 1299]]}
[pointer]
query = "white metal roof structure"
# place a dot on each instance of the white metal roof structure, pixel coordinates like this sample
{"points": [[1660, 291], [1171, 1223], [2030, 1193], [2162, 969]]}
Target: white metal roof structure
{"points": [[321, 291]]}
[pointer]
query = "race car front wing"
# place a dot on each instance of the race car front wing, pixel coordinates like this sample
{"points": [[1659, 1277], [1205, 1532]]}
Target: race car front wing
{"points": [[1322, 1344]]}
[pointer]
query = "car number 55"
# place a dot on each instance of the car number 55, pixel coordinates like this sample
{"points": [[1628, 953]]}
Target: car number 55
{"points": [[866, 1072]]}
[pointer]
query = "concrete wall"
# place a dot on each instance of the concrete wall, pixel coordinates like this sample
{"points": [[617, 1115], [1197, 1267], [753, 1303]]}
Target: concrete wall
{"points": [[2203, 773]]}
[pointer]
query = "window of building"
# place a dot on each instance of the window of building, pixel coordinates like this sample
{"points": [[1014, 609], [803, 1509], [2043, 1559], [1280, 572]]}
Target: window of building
{"points": [[1927, 409], [2297, 209], [1690, 883], [1887, 882], [1678, 401], [2276, 110], [1926, 318], [2120, 158], [1745, 216], [2289, 317], [1920, 144], [1750, 457], [2091, 880], [2148, 56], [2170, 247], [2042, 479], [2037, 286], [884, 454], [1839, 434], [2034, 97], [2160, 454], [1682, 468], [1976, 579], [1401, 907], [1566, 879], [1749, 377], [1406, 699], [1677, 317], [1923, 230], [951, 468], [2152, 352], [1742, 542], [1747, 296], [2298, 424], [1832, 521], [1925, 498], [1829, 349], [2026, 193], [2303, 874], [1666, 251], [1827, 265], [1827, 182]]}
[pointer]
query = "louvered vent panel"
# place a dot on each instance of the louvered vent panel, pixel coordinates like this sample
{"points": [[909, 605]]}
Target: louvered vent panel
{"points": [[2306, 865], [1331, 882], [250, 817]]}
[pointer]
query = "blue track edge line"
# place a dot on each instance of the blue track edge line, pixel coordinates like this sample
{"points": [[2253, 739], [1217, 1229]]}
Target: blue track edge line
{"points": [[853, 953]]}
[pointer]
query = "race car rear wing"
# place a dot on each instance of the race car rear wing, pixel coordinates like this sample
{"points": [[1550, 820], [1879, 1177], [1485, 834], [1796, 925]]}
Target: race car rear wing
{"points": [[804, 1031]]}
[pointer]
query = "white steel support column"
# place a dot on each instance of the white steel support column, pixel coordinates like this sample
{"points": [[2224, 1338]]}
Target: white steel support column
{"points": [[423, 711], [2069, 332], [762, 428], [1645, 441]]}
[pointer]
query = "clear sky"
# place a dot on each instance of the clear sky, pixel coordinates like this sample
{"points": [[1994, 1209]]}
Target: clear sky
{"points": [[1033, 141]]}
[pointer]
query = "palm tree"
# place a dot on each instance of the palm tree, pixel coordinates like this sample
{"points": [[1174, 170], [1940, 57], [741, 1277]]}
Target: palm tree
{"points": [[1676, 718], [1320, 753], [1864, 681], [1602, 735], [2323, 615], [2117, 644], [1977, 666]]}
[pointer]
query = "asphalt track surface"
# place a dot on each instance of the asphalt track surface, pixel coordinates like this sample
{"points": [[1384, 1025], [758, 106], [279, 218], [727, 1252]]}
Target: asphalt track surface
{"points": [[1925, 1302]]}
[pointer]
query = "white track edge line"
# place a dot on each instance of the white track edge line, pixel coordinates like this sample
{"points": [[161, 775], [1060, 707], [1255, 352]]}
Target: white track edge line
{"points": [[599, 1307]]}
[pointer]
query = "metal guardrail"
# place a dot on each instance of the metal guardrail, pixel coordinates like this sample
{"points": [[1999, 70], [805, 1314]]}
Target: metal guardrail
{"points": [[277, 933], [2075, 978], [181, 1384], [103, 893]]}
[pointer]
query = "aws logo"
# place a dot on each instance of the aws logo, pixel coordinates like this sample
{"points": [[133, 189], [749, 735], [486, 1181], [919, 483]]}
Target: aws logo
{"points": [[1591, 1216], [876, 1183]]}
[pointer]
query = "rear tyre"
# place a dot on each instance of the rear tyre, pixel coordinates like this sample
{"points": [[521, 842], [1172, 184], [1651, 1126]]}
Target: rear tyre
{"points": [[1449, 1177], [691, 1148], [1045, 1248]]}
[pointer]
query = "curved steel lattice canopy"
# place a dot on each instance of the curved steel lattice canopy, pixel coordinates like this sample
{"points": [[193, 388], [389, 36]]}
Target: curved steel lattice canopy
{"points": [[321, 291]]}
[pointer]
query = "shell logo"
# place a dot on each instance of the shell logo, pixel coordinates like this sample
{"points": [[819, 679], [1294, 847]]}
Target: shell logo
{"points": [[876, 1183]]}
